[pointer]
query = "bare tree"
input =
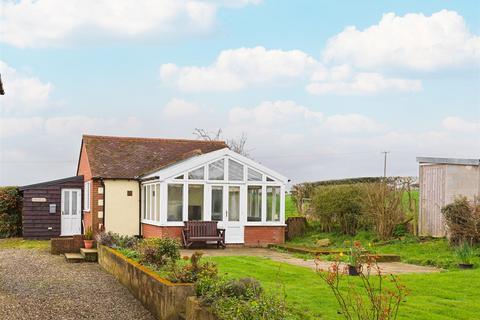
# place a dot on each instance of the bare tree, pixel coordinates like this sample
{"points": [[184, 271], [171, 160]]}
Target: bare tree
{"points": [[235, 144]]}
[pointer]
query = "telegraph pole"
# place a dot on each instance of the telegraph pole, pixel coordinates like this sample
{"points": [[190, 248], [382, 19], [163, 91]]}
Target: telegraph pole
{"points": [[385, 163]]}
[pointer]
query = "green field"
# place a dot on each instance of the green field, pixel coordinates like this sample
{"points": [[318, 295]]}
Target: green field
{"points": [[446, 295]]}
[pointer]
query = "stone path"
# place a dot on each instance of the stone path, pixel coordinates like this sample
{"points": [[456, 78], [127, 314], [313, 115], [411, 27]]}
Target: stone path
{"points": [[37, 285], [385, 267]]}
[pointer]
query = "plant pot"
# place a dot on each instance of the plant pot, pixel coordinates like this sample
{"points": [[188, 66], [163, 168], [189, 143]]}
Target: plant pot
{"points": [[352, 270], [88, 244], [465, 265]]}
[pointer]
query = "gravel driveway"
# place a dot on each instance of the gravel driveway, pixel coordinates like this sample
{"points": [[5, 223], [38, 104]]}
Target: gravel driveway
{"points": [[37, 285]]}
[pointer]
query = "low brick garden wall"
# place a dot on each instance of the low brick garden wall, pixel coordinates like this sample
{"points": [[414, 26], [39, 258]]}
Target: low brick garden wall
{"points": [[66, 244], [164, 299]]}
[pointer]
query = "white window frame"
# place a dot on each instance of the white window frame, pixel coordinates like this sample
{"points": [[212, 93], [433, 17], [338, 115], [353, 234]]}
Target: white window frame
{"points": [[87, 189]]}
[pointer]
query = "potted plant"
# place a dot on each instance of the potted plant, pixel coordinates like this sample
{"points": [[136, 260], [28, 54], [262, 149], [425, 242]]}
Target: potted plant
{"points": [[88, 238], [465, 254], [354, 263]]}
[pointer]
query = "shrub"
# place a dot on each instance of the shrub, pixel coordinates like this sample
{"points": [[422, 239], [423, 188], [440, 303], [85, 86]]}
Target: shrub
{"points": [[193, 271], [158, 251], [88, 234], [463, 221], [339, 207], [384, 207], [10, 212], [114, 240], [465, 253], [240, 299]]}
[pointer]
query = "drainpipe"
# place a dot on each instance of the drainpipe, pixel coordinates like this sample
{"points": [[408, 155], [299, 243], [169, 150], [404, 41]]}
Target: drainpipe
{"points": [[139, 208]]}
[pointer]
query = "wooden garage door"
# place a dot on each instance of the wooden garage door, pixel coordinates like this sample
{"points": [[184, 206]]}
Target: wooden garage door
{"points": [[432, 193]]}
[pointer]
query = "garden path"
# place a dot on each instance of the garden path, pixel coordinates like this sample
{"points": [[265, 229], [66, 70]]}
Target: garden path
{"points": [[385, 267]]}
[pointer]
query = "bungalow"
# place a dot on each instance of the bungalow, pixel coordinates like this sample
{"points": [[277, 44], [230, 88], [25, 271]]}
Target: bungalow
{"points": [[149, 187]]}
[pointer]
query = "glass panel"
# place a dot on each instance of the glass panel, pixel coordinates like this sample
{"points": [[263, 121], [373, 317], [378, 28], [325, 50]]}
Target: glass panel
{"points": [[86, 196], [215, 170], [180, 177], [197, 174], [273, 203], [157, 208], [217, 203], [233, 203], [254, 212], [195, 202], [148, 201], [270, 179], [74, 202], [254, 175], [235, 171], [175, 202], [144, 196], [66, 205], [152, 202]]}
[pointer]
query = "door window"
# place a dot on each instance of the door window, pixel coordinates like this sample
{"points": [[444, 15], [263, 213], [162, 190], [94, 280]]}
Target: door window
{"points": [[217, 203], [233, 203], [74, 202], [195, 202]]}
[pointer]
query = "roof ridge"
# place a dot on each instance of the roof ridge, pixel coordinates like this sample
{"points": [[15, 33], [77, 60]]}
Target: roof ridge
{"points": [[152, 139]]}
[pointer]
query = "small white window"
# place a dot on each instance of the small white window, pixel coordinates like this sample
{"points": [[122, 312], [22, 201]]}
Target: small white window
{"points": [[86, 195], [254, 175], [235, 171], [270, 179], [197, 174], [215, 170]]}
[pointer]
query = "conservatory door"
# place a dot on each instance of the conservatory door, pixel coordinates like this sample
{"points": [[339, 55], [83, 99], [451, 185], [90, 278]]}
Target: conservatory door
{"points": [[226, 209]]}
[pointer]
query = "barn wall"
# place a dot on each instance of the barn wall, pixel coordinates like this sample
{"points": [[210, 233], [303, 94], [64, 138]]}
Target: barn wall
{"points": [[462, 181], [36, 216]]}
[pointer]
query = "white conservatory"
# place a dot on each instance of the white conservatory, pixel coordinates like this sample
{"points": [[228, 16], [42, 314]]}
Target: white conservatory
{"points": [[222, 186]]}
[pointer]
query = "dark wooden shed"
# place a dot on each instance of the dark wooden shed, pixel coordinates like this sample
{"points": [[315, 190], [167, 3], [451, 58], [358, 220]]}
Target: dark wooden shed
{"points": [[53, 208]]}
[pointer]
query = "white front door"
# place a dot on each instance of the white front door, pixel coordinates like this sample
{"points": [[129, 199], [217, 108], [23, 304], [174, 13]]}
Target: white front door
{"points": [[71, 212], [227, 210]]}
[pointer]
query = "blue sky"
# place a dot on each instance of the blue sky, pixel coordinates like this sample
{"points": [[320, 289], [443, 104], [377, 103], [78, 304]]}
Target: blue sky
{"points": [[316, 98]]}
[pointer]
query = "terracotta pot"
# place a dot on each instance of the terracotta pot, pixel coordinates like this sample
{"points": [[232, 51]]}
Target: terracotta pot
{"points": [[352, 270], [465, 265], [88, 244]]}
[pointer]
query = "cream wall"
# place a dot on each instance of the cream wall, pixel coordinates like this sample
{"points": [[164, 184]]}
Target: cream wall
{"points": [[462, 180], [121, 210]]}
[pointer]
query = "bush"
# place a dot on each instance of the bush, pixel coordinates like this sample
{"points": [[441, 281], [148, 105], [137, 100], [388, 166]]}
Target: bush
{"points": [[463, 221], [339, 207], [240, 299], [10, 212], [114, 240], [193, 271], [158, 251]]}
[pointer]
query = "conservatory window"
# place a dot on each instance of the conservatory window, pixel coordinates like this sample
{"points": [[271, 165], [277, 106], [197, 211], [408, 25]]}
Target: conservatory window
{"points": [[254, 209], [270, 179], [148, 202], [215, 170], [217, 203], [157, 203], [254, 175], [180, 177], [273, 203], [235, 171], [197, 174], [195, 202], [175, 202]]}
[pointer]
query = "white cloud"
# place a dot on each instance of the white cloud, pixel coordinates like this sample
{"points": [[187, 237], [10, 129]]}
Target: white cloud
{"points": [[351, 123], [178, 108], [461, 125], [270, 113], [240, 68], [343, 83], [39, 23], [413, 41], [23, 93]]}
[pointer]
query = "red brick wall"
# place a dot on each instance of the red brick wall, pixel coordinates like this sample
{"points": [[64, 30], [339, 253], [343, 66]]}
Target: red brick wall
{"points": [[151, 231], [84, 165], [263, 235]]}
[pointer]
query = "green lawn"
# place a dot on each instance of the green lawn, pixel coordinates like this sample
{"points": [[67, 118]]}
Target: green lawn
{"points": [[446, 295], [290, 208], [19, 243]]}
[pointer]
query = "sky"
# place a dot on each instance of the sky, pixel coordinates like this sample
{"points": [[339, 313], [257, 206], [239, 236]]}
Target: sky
{"points": [[320, 88]]}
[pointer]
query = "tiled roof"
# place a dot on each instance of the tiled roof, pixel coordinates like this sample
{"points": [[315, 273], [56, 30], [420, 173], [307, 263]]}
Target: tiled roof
{"points": [[126, 157]]}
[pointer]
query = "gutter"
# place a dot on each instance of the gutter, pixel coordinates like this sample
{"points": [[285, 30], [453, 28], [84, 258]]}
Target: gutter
{"points": [[140, 209]]}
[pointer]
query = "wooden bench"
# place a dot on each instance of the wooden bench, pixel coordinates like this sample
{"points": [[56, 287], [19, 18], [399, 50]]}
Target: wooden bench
{"points": [[202, 231]]}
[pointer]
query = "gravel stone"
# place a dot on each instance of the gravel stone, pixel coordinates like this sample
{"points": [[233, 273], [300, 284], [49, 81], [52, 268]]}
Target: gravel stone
{"points": [[37, 285]]}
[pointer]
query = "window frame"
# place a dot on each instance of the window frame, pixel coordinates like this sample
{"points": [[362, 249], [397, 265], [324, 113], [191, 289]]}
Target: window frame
{"points": [[87, 195]]}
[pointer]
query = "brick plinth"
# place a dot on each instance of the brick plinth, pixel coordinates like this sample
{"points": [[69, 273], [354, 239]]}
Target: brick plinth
{"points": [[263, 235], [151, 231]]}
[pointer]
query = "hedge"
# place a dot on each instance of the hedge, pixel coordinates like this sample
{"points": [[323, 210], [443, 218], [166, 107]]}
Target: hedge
{"points": [[10, 212]]}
